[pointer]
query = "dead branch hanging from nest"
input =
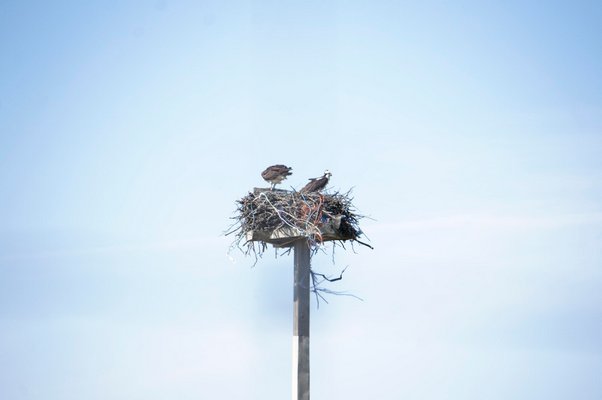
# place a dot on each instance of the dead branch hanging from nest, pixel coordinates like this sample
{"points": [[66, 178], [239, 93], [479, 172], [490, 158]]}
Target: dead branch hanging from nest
{"points": [[319, 291]]}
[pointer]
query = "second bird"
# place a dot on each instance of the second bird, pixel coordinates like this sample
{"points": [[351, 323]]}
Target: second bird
{"points": [[317, 184]]}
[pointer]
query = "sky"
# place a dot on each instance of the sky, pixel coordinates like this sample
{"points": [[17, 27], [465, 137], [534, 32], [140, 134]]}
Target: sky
{"points": [[469, 132]]}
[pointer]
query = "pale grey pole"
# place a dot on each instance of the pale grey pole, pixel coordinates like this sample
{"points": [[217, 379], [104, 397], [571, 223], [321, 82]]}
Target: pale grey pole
{"points": [[301, 321]]}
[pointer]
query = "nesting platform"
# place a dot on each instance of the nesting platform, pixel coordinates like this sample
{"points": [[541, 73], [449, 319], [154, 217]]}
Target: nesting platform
{"points": [[281, 217], [286, 237]]}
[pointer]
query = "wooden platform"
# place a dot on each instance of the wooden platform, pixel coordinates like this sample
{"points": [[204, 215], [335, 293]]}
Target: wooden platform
{"points": [[286, 237]]}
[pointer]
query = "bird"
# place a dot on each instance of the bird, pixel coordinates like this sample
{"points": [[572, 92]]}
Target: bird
{"points": [[275, 174], [317, 184]]}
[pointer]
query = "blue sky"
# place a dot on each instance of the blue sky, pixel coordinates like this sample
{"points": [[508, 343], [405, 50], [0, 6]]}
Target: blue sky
{"points": [[471, 133]]}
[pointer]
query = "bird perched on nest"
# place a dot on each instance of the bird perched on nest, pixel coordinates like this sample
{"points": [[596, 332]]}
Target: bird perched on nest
{"points": [[317, 184], [275, 174]]}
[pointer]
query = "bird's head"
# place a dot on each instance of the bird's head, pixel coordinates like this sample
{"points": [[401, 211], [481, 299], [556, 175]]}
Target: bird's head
{"points": [[327, 174]]}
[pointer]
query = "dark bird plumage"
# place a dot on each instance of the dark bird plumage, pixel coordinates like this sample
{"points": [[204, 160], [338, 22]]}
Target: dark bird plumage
{"points": [[275, 174], [317, 184]]}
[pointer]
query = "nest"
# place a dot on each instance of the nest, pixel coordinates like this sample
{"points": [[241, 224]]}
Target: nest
{"points": [[280, 217]]}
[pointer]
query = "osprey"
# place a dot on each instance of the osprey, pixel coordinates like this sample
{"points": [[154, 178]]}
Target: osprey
{"points": [[275, 174], [317, 184]]}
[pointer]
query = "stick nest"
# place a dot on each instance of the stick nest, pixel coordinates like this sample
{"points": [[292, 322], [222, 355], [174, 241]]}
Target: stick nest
{"points": [[279, 217]]}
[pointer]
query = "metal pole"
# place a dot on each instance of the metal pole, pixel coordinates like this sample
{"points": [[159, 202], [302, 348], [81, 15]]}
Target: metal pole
{"points": [[301, 321]]}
